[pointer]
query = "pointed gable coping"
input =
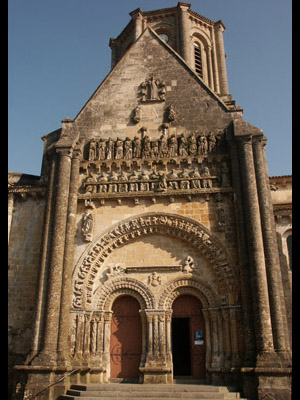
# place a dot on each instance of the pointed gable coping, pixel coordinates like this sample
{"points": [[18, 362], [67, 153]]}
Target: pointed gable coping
{"points": [[148, 30]]}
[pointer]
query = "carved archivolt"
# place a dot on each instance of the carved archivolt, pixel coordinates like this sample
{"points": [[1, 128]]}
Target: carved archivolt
{"points": [[186, 286], [186, 229], [123, 286]]}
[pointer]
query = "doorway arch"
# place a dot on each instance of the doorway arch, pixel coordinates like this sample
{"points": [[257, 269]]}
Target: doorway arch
{"points": [[188, 333], [125, 338]]}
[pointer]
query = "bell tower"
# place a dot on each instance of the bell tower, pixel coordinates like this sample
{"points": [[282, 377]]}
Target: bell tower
{"points": [[197, 39]]}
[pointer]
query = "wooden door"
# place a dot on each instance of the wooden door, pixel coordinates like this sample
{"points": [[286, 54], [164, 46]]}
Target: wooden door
{"points": [[189, 307], [126, 338]]}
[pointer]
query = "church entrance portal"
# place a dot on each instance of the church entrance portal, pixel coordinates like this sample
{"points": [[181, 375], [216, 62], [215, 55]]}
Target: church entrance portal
{"points": [[126, 338], [188, 339]]}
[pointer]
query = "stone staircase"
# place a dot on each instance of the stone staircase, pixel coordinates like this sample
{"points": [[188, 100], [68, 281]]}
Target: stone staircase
{"points": [[126, 391]]}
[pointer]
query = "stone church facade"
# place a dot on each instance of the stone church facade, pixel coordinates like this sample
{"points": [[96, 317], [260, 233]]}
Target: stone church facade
{"points": [[153, 228]]}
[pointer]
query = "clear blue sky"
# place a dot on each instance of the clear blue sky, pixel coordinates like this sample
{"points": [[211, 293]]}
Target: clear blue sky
{"points": [[58, 54]]}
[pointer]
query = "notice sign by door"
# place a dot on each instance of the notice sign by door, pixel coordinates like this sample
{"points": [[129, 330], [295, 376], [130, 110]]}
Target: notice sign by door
{"points": [[199, 337]]}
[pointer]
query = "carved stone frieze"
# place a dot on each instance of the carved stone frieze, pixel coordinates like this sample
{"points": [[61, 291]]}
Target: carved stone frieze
{"points": [[177, 180], [164, 147]]}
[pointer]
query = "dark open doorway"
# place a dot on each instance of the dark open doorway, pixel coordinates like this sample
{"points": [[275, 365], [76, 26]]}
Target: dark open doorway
{"points": [[181, 347]]}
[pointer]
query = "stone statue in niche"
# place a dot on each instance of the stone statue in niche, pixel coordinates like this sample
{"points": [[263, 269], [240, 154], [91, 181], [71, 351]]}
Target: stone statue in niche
{"points": [[92, 150], [192, 144], [137, 147], [101, 150], [87, 226], [146, 153], [119, 149], [109, 149], [127, 149], [202, 144], [172, 146], [182, 147], [163, 146]]}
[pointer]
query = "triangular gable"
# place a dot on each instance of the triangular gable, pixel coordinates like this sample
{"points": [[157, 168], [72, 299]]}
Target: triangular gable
{"points": [[168, 48]]}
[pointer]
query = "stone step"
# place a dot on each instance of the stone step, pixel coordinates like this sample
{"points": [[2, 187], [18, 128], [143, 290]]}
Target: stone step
{"points": [[149, 392]]}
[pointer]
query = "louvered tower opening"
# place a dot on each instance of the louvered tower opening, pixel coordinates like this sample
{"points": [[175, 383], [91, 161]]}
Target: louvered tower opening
{"points": [[198, 60]]}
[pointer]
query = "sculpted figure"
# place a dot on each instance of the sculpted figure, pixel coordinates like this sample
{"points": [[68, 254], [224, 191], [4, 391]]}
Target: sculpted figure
{"points": [[172, 146], [137, 114], [109, 149], [162, 183], [192, 143], [206, 183], [87, 225], [92, 150], [144, 91], [155, 148], [182, 148], [101, 150], [136, 153], [146, 147], [163, 146], [119, 149], [203, 147], [171, 113], [152, 89], [127, 149], [211, 142]]}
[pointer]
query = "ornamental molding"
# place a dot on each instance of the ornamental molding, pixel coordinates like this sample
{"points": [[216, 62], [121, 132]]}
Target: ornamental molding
{"points": [[86, 269]]}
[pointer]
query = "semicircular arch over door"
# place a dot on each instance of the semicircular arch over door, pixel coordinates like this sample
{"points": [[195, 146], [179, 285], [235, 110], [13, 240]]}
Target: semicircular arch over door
{"points": [[126, 338]]}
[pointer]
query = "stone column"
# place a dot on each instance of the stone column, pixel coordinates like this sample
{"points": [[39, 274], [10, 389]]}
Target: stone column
{"points": [[262, 319], [270, 245], [185, 42], [207, 338], [106, 341], [216, 87], [168, 336], [150, 338], [209, 67], [56, 256], [219, 29], [64, 318], [215, 362], [227, 340]]}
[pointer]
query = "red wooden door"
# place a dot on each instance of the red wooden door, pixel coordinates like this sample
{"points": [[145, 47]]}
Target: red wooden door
{"points": [[126, 338], [190, 307]]}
